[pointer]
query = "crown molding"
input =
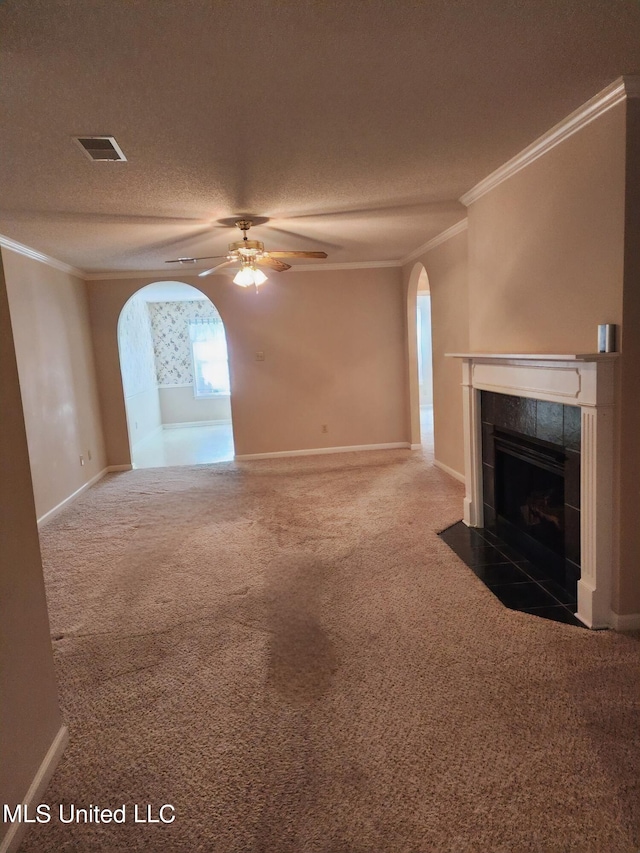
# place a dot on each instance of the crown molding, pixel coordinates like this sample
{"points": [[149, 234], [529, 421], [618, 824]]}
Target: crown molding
{"points": [[445, 235], [615, 93], [28, 252], [631, 84], [159, 275], [174, 275]]}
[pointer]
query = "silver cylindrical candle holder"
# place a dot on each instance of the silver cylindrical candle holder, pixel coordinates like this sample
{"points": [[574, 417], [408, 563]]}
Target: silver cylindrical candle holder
{"points": [[607, 337]]}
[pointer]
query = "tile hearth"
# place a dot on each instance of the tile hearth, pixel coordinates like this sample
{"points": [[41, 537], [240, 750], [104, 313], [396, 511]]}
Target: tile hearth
{"points": [[516, 582]]}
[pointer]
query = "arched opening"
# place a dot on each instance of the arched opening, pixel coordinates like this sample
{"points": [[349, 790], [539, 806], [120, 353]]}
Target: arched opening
{"points": [[420, 357], [175, 377], [424, 357]]}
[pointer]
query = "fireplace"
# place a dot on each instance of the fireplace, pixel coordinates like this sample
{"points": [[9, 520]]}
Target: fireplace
{"points": [[561, 403], [531, 485], [529, 490]]}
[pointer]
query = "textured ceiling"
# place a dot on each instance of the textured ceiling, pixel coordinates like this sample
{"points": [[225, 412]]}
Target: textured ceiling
{"points": [[352, 127]]}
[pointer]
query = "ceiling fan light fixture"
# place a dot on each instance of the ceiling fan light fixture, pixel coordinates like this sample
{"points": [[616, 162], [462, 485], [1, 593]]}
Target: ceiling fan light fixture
{"points": [[249, 276], [243, 277], [248, 254]]}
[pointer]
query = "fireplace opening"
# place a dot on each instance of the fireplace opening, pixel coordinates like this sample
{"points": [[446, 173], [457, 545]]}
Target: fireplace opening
{"points": [[531, 452], [530, 498]]}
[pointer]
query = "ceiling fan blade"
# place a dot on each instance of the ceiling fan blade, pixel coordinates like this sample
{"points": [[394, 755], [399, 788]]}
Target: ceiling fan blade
{"points": [[272, 263], [193, 260], [298, 236], [297, 254], [218, 267], [170, 243]]}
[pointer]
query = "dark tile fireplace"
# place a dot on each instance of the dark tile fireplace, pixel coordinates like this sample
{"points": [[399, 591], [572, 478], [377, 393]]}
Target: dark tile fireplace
{"points": [[531, 481], [529, 497], [528, 552], [564, 404]]}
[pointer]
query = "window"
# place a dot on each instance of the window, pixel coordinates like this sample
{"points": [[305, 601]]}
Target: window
{"points": [[210, 361]]}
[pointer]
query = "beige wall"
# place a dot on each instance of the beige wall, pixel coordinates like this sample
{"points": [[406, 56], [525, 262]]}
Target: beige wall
{"points": [[554, 251], [137, 357], [179, 405], [627, 590], [333, 344], [49, 316], [29, 714], [546, 247], [143, 415], [447, 269]]}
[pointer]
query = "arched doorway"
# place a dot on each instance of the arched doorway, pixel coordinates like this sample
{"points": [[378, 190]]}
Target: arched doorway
{"points": [[420, 357], [175, 377], [424, 356]]}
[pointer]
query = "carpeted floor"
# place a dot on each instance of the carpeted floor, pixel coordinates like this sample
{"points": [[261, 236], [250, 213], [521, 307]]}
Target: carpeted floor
{"points": [[287, 653]]}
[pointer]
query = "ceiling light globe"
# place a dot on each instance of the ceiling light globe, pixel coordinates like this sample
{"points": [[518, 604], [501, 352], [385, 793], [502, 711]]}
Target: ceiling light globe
{"points": [[244, 277]]}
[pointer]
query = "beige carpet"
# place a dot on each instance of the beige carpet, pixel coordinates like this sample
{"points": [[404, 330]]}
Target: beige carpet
{"points": [[286, 653]]}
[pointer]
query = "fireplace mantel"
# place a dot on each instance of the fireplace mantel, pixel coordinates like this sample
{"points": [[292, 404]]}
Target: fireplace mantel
{"points": [[541, 356], [583, 380]]}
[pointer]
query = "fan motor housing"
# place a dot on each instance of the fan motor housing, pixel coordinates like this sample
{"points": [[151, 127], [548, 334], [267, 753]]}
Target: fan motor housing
{"points": [[255, 245]]}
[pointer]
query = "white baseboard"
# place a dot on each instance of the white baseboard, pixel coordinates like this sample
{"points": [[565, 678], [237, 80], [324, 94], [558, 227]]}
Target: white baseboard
{"points": [[317, 451], [59, 507], [196, 424], [455, 474], [15, 834], [110, 469], [625, 621], [416, 447]]}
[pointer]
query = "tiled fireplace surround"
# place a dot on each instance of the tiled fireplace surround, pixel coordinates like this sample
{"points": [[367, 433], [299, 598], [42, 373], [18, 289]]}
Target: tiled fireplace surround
{"points": [[583, 381], [557, 424]]}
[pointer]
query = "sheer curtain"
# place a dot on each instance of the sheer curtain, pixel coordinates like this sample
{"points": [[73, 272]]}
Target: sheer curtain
{"points": [[210, 360]]}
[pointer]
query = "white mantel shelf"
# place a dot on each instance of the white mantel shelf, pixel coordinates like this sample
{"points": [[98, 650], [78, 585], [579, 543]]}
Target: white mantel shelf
{"points": [[501, 356], [582, 380]]}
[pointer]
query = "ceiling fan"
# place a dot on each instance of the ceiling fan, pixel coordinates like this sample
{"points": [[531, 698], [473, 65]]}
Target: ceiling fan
{"points": [[248, 255]]}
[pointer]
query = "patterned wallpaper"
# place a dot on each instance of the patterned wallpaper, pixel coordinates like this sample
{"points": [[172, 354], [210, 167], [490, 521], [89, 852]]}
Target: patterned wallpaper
{"points": [[170, 325], [135, 343]]}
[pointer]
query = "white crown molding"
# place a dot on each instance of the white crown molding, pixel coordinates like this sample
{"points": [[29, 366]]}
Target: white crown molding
{"points": [[618, 91], [163, 274], [631, 85], [445, 235], [28, 252], [174, 275], [158, 275]]}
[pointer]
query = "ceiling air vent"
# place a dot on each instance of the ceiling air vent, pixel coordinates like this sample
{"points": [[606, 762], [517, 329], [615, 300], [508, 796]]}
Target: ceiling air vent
{"points": [[100, 148]]}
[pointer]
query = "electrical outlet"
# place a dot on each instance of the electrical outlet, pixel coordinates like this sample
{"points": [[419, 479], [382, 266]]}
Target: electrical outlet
{"points": [[260, 356], [82, 460], [324, 428]]}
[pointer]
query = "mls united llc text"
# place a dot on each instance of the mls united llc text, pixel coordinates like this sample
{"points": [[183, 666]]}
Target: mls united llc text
{"points": [[70, 813]]}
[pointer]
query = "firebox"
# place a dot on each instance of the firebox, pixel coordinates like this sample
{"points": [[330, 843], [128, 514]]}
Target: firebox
{"points": [[529, 498], [531, 481]]}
